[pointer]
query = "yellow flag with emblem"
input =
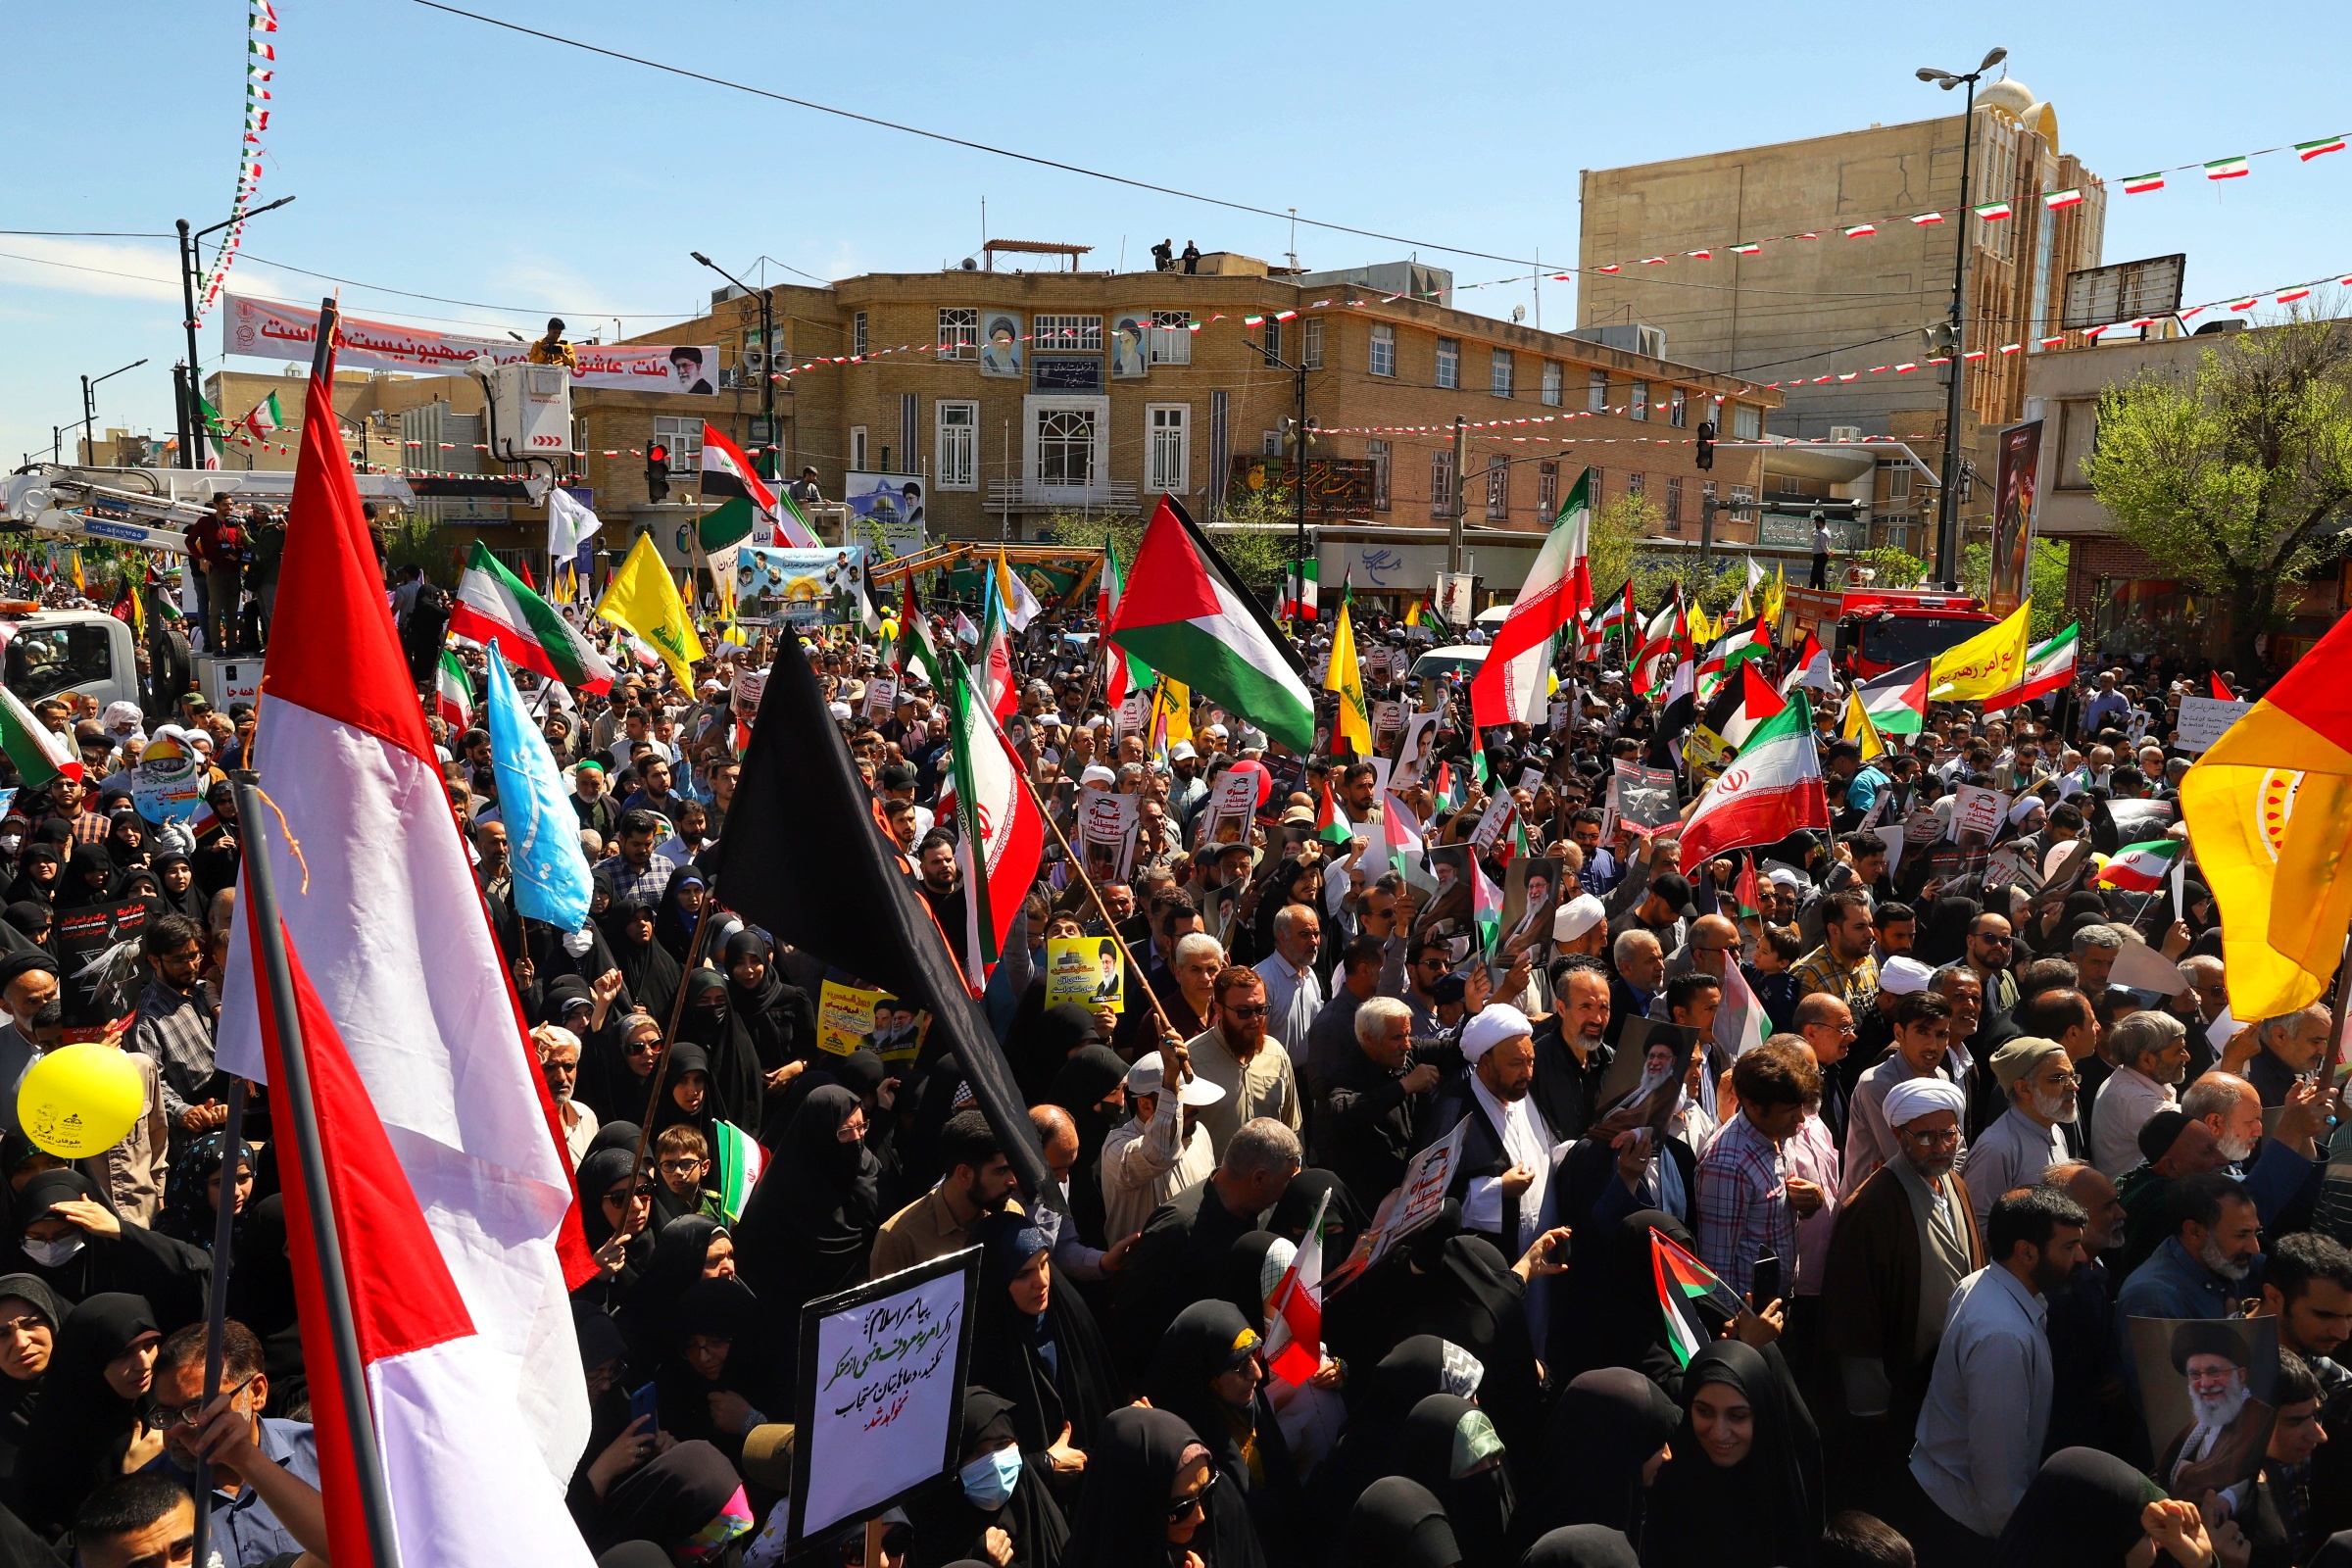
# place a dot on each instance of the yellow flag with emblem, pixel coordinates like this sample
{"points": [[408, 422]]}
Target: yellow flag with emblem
{"points": [[1346, 676], [643, 600], [1859, 728]]}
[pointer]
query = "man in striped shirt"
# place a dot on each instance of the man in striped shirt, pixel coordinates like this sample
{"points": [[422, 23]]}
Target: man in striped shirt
{"points": [[1748, 1204]]}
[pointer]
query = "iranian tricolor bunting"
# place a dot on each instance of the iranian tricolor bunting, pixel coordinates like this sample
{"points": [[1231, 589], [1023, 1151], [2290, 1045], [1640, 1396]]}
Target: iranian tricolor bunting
{"points": [[531, 633], [1187, 617], [38, 753], [2141, 867], [1773, 789], [1509, 687], [2049, 668]]}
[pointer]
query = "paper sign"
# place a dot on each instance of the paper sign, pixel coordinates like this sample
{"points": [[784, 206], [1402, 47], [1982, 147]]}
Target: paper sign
{"points": [[98, 954], [1086, 970], [2218, 1032], [1135, 712], [1892, 838], [881, 695], [1107, 829], [845, 1016], [1492, 825], [1412, 748], [743, 694], [881, 1402], [1422, 1193], [167, 784], [1922, 827], [1387, 719], [1977, 811], [1230, 805], [2144, 968], [2204, 719]]}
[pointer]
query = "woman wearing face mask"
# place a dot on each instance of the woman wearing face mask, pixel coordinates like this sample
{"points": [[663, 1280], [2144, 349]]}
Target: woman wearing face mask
{"points": [[997, 1507], [1744, 1488], [88, 1428], [76, 1245], [737, 1087], [1449, 1446], [811, 1223], [29, 1317], [1207, 1370], [1152, 1498]]}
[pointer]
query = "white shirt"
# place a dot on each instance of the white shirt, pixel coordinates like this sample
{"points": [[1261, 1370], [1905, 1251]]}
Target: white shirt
{"points": [[2122, 1106], [1293, 998], [1988, 1404], [1529, 1142]]}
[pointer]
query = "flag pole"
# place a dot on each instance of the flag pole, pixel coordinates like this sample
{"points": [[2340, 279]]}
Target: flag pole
{"points": [[217, 1311], [261, 887], [677, 1012], [1077, 866]]}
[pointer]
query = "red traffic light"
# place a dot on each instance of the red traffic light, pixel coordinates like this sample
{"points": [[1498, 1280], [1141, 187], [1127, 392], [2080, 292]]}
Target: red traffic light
{"points": [[657, 454]]}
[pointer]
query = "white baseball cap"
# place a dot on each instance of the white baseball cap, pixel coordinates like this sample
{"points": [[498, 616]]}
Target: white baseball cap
{"points": [[1148, 1077]]}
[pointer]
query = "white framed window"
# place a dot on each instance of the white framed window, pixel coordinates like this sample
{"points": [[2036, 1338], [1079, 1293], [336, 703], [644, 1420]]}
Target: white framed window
{"points": [[1269, 341], [1063, 444], [1168, 448], [955, 439], [1548, 490], [1171, 337], [1441, 483], [1678, 409], [1747, 422], [857, 326], [1449, 362], [1378, 451], [1499, 372], [1269, 444], [1552, 384], [1636, 401], [1596, 393], [959, 332], [682, 434], [1384, 349], [857, 446], [1498, 488], [1310, 344], [1052, 334], [1674, 501]]}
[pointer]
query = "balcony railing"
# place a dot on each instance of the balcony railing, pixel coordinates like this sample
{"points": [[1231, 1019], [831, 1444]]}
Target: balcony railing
{"points": [[1046, 495]]}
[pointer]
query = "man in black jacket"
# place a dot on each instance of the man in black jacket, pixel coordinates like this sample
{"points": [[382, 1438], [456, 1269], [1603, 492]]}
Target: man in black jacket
{"points": [[1364, 1126], [1180, 1256]]}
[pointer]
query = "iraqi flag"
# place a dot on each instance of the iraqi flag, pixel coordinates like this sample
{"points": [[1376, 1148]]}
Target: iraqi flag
{"points": [[1186, 615], [1773, 789], [2049, 668], [434, 1374], [493, 603], [453, 691], [382, 901], [1004, 835], [1684, 1285], [747, 506], [1509, 688], [1295, 1309], [2141, 867], [1812, 669]]}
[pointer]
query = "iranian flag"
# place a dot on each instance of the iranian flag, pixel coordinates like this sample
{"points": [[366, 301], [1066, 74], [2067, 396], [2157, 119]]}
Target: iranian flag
{"points": [[1509, 687], [266, 417], [1657, 638], [1002, 834], [1121, 673], [1684, 1282], [741, 1159], [999, 690], [2049, 668], [1812, 669], [1302, 588], [2072, 196], [453, 691], [1295, 1309], [1186, 614], [532, 634], [1773, 789], [2141, 867], [1992, 212], [38, 753], [1897, 701], [1741, 1023]]}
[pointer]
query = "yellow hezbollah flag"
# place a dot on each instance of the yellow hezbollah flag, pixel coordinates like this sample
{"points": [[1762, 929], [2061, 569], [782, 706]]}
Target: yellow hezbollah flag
{"points": [[1987, 663], [1859, 727], [1354, 726], [2265, 809], [1776, 598], [1171, 715], [643, 600]]}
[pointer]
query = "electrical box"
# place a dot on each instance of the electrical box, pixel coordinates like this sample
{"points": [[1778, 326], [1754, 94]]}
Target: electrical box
{"points": [[530, 410]]}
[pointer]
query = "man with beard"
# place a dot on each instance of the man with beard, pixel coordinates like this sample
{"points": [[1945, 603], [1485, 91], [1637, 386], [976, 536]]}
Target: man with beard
{"points": [[1502, 1176], [2197, 1271], [2039, 1079], [978, 1181], [2087, 1409], [2275, 1169], [2229, 1428], [2151, 1053], [1988, 1404]]}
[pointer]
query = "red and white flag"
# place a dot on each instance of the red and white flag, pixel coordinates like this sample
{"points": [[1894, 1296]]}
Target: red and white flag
{"points": [[1510, 688], [1294, 1311], [381, 898]]}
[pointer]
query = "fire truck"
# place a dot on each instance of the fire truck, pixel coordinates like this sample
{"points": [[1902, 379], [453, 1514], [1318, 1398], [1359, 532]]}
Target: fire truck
{"points": [[1873, 630]]}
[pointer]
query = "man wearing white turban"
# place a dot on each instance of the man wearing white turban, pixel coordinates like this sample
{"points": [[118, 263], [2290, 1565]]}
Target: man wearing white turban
{"points": [[1503, 1175]]}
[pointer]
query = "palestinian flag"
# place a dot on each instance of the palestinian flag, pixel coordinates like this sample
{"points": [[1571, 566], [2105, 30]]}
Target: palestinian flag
{"points": [[2049, 668], [1330, 826], [40, 754], [2220, 688], [1741, 1023], [1772, 790], [1744, 705], [1897, 701], [1620, 617], [1486, 907], [1684, 1282], [531, 633], [741, 1159], [1812, 669], [264, 417], [747, 503], [1744, 892], [1509, 688], [2141, 867], [1302, 577], [453, 691], [1186, 614], [1729, 653]]}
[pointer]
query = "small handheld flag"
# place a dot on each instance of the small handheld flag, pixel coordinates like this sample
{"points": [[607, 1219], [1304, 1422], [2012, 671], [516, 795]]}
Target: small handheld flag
{"points": [[1684, 1283]]}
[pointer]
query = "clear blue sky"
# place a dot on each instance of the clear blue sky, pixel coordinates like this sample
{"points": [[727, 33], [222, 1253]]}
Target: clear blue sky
{"points": [[440, 156]]}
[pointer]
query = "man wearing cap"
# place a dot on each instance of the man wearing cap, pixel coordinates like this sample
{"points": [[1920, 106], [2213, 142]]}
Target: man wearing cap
{"points": [[1923, 1029], [1905, 1239], [2229, 1428], [1503, 1174], [1162, 1149], [2038, 1077]]}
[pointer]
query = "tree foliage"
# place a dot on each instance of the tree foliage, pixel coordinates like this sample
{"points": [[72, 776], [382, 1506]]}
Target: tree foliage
{"points": [[2238, 478], [2045, 581], [1259, 556]]}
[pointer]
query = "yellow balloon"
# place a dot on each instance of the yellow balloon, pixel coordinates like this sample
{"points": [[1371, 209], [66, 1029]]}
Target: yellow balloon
{"points": [[890, 629], [79, 1101]]}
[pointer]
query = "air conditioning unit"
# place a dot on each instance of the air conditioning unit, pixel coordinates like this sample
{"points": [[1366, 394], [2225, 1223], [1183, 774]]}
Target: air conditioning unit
{"points": [[1845, 432], [730, 379]]}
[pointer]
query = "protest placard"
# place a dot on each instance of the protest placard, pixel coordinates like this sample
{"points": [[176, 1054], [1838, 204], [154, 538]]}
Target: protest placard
{"points": [[1086, 970], [881, 1392], [2208, 1391], [743, 694], [1387, 722], [1422, 1193], [2204, 719], [844, 1014], [98, 954], [881, 693], [1107, 831], [1230, 805], [1976, 814]]}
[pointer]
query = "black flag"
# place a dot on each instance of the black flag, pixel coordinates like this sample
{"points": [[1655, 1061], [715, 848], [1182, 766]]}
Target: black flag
{"points": [[804, 857]]}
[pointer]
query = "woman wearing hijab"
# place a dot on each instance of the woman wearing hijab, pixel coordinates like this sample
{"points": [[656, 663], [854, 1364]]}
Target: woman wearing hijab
{"points": [[1153, 1499], [1207, 1370], [996, 1493], [650, 976], [686, 1100], [192, 1193], [1035, 1341], [1450, 1446], [126, 839], [1603, 1445], [1398, 1524], [810, 1224], [31, 920], [1040, 1048], [171, 866], [736, 1087], [261, 1295], [38, 874], [1092, 1086], [1581, 1546], [714, 1382], [616, 1219], [89, 1418], [31, 1316], [1383, 1397], [688, 1249], [89, 878], [1343, 1217], [1744, 1488], [604, 1360], [678, 911], [1613, 1302], [68, 1238], [688, 1501], [776, 1019], [1469, 1294], [2082, 1510]]}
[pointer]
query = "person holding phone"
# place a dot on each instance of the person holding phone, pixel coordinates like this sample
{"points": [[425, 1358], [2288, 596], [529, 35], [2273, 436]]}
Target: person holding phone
{"points": [[1748, 1204]]}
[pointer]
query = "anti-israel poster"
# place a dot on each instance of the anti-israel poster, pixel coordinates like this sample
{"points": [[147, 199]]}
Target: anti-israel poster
{"points": [[801, 588], [266, 329]]}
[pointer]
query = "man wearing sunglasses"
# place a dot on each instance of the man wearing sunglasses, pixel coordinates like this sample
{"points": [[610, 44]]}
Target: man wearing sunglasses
{"points": [[1232, 1053], [1989, 949], [264, 1473]]}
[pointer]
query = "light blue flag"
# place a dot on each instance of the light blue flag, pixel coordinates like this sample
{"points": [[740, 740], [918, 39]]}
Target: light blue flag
{"points": [[543, 833]]}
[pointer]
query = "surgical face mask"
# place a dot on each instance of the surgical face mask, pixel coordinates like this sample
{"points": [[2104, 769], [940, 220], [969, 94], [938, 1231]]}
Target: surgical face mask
{"points": [[989, 1479], [11, 843], [54, 1254]]}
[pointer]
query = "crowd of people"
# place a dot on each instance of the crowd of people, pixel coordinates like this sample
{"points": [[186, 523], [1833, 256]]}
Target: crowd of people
{"points": [[1918, 1117]]}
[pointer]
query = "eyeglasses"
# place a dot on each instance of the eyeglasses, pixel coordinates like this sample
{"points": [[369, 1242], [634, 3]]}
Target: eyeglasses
{"points": [[683, 1167], [1180, 1506], [1992, 940], [1259, 1011], [191, 1413]]}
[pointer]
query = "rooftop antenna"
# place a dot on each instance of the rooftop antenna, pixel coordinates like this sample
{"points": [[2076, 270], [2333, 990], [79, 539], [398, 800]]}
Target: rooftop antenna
{"points": [[1293, 252]]}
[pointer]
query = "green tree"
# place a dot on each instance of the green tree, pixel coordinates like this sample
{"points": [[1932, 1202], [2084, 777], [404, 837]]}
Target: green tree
{"points": [[2236, 478], [1260, 557], [2045, 581], [1896, 567]]}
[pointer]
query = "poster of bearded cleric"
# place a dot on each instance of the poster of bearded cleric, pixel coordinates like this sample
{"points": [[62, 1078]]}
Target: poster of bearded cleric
{"points": [[2209, 1386]]}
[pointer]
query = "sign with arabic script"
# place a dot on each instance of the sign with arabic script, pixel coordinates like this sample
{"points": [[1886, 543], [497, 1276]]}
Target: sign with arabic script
{"points": [[268, 330]]}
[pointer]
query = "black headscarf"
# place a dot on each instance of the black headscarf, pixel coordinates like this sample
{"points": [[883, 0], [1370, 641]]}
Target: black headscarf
{"points": [[82, 1426], [1243, 1284], [719, 1309], [947, 1525], [1600, 1437], [1415, 1369], [1343, 1216], [1053, 1368], [1080, 1087], [811, 1220], [31, 889], [1469, 1295], [649, 972], [765, 1018], [1436, 1449], [1763, 1512], [731, 1060], [29, 919], [1122, 1503], [19, 1400], [1398, 1524], [667, 1500], [685, 1057], [1206, 1340], [648, 1315], [673, 927], [2081, 1510], [74, 887], [1613, 1285], [1580, 1547]]}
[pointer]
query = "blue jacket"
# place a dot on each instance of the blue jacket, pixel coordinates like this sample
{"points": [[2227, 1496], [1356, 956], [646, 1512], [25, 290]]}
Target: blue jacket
{"points": [[2171, 1284]]}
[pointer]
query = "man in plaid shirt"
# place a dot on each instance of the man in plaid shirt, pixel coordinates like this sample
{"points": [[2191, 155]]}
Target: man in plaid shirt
{"points": [[1842, 965], [638, 875], [1748, 1204]]}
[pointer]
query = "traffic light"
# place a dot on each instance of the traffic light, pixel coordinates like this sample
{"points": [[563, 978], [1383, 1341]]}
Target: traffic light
{"points": [[657, 472], [1706, 444]]}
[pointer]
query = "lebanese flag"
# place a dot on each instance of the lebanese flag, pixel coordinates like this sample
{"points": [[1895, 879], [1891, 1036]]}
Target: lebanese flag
{"points": [[1772, 789], [1004, 835], [2220, 688], [1812, 669], [453, 691], [1509, 688], [445, 1437], [531, 633], [2049, 668], [383, 905], [1294, 1311]]}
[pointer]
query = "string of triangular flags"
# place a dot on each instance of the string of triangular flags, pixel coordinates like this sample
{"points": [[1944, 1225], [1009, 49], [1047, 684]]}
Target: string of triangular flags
{"points": [[260, 68]]}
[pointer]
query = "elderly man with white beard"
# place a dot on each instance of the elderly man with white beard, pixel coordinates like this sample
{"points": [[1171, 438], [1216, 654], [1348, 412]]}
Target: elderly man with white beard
{"points": [[2228, 1428], [2199, 1269], [2039, 1079], [2273, 1167]]}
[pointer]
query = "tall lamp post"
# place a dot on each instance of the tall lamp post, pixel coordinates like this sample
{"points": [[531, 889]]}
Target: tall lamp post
{"points": [[1947, 506], [189, 393], [767, 364], [1273, 358], [89, 408]]}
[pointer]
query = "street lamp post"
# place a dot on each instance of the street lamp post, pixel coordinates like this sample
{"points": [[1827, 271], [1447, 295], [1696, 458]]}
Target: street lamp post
{"points": [[1297, 478], [188, 420], [1947, 506], [89, 408], [767, 364]]}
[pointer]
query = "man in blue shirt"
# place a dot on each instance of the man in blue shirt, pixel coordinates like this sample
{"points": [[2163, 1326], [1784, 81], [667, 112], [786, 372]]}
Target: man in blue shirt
{"points": [[2202, 1269], [264, 1473]]}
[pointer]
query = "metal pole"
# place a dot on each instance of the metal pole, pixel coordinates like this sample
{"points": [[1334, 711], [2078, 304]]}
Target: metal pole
{"points": [[89, 419], [189, 420], [1461, 455], [1299, 498], [224, 1226], [294, 1070], [767, 388], [1947, 517]]}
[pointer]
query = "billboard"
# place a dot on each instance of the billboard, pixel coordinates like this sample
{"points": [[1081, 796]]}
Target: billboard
{"points": [[802, 587], [268, 330], [2126, 291], [2013, 516], [889, 509]]}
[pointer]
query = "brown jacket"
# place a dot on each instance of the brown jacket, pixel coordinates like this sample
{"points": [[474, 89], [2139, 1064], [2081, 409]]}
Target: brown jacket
{"points": [[1870, 1288]]}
